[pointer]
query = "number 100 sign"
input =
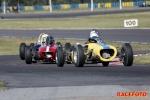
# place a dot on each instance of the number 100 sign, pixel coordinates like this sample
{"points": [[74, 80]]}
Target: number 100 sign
{"points": [[130, 23]]}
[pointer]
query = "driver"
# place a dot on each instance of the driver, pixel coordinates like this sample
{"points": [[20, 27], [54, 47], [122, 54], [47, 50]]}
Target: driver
{"points": [[50, 40], [94, 37]]}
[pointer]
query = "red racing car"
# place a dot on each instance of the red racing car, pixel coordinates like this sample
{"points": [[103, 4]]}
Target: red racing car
{"points": [[45, 53]]}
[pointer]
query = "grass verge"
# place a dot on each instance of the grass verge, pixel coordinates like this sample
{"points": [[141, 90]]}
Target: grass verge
{"points": [[10, 46], [96, 21], [142, 60]]}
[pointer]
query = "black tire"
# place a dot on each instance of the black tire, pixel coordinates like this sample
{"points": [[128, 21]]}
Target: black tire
{"points": [[59, 44], [22, 51], [68, 47], [1, 17], [127, 51], [105, 63], [31, 45], [28, 57], [34, 61], [78, 56], [59, 57]]}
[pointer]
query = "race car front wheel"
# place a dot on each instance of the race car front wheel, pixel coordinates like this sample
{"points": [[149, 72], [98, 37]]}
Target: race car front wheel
{"points": [[127, 54], [22, 51], [59, 44], [28, 57], [59, 57], [105, 63], [31, 45], [78, 56]]}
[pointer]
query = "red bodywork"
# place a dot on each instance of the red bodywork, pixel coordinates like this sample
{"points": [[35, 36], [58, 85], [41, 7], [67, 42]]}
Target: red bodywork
{"points": [[48, 52]]}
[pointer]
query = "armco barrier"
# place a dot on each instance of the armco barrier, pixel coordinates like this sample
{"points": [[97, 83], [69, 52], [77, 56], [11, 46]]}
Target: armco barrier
{"points": [[115, 4], [45, 7], [56, 6], [74, 5], [38, 7], [65, 6], [95, 5], [27, 8], [83, 6], [127, 4], [107, 5]]}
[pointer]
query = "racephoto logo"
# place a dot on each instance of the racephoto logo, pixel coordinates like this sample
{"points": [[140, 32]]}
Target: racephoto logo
{"points": [[130, 23], [131, 94]]}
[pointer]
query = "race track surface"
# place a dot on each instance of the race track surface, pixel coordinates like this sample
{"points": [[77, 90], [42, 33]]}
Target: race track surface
{"points": [[71, 14], [20, 75], [129, 35]]}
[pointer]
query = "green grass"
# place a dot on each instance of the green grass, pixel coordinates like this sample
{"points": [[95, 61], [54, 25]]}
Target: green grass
{"points": [[10, 46], [96, 21], [2, 85], [142, 60]]}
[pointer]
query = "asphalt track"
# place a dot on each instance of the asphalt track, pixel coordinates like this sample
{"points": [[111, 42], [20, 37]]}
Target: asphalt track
{"points": [[129, 35], [70, 14], [18, 74], [40, 75], [46, 81]]}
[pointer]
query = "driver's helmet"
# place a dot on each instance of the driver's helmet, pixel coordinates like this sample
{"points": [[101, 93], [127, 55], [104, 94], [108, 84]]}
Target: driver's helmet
{"points": [[50, 40], [94, 36]]}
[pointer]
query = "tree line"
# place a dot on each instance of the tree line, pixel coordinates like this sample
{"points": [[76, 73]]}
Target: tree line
{"points": [[46, 2]]}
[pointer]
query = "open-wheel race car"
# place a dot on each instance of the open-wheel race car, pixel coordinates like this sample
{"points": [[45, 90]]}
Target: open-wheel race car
{"points": [[95, 50], [41, 41], [45, 53]]}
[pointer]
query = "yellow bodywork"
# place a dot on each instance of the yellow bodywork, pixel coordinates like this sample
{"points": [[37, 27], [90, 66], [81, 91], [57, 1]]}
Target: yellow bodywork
{"points": [[97, 48]]}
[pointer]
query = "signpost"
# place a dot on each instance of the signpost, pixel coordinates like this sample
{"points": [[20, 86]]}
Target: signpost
{"points": [[130, 23], [91, 5], [50, 5], [120, 4], [4, 7]]}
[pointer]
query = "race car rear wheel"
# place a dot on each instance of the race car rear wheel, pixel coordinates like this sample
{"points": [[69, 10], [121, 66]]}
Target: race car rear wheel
{"points": [[59, 57], [59, 43], [78, 56], [105, 63], [28, 57], [127, 54], [22, 51], [68, 48], [31, 45]]}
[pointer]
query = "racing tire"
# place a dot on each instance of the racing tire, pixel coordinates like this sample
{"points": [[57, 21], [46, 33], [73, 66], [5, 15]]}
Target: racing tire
{"points": [[59, 44], [22, 51], [1, 17], [105, 64], [78, 56], [34, 61], [31, 45], [127, 53], [28, 56], [59, 57], [68, 48]]}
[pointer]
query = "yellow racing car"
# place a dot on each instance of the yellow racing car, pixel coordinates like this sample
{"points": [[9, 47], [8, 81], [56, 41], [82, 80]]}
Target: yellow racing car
{"points": [[95, 50]]}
